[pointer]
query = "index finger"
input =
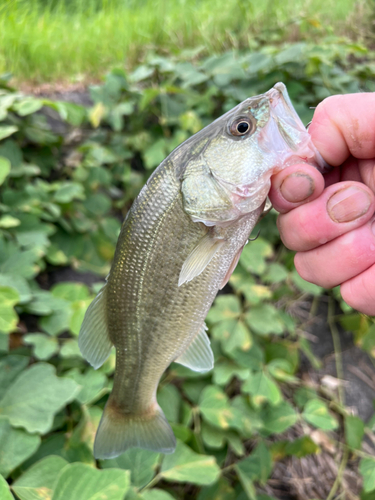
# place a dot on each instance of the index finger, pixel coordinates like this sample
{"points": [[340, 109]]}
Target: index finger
{"points": [[343, 125]]}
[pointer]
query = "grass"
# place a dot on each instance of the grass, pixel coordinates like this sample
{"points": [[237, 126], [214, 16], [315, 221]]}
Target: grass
{"points": [[75, 40]]}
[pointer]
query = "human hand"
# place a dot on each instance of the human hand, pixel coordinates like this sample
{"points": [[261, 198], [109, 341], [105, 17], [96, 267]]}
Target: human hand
{"points": [[329, 220]]}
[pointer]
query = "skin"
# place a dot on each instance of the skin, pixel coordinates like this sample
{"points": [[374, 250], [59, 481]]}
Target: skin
{"points": [[329, 220]]}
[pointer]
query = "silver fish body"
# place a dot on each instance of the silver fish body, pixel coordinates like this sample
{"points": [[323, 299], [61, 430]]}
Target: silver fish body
{"points": [[179, 244]]}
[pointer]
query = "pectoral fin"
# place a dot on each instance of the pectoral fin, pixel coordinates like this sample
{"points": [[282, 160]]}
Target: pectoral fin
{"points": [[198, 356], [199, 258], [232, 267], [94, 342]]}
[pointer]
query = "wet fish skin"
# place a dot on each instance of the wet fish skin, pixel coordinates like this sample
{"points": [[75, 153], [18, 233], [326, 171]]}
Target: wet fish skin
{"points": [[178, 246]]}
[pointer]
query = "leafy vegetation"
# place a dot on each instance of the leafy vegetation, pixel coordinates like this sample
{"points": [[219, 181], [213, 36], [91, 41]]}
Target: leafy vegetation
{"points": [[54, 40], [61, 203]]}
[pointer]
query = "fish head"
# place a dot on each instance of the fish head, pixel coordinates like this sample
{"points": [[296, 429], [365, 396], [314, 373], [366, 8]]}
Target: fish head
{"points": [[228, 176]]}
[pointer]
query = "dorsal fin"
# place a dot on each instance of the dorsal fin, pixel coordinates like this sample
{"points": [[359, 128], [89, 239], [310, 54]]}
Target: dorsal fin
{"points": [[94, 342], [198, 356]]}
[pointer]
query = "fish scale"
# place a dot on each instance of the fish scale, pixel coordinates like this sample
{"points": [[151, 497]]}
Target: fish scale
{"points": [[178, 245]]}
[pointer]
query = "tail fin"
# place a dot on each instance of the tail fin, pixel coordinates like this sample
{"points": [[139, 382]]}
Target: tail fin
{"points": [[119, 431]]}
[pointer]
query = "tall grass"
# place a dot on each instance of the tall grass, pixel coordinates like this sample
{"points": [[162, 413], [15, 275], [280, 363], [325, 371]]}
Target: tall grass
{"points": [[50, 40]]}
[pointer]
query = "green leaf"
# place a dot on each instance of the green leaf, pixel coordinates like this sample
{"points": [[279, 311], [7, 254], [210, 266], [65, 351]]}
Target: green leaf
{"points": [[226, 307], [37, 482], [265, 319], [354, 431], [4, 169], [317, 414], [16, 446], [254, 255], [277, 419], [9, 297], [258, 465], [44, 347], [221, 490], [19, 283], [36, 395], [140, 463], [69, 191], [5, 493], [215, 408], [301, 447], [367, 469], [8, 221], [226, 369], [27, 106], [169, 400], [83, 482], [186, 466], [156, 494], [10, 367], [93, 385], [262, 388], [6, 131]]}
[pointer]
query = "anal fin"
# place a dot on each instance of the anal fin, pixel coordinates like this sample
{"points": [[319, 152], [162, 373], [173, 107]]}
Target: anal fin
{"points": [[198, 356], [94, 342], [199, 258]]}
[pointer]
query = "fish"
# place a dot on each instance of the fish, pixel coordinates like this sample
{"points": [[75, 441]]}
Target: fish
{"points": [[178, 246]]}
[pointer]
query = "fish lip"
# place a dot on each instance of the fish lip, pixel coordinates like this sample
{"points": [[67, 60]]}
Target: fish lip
{"points": [[279, 91]]}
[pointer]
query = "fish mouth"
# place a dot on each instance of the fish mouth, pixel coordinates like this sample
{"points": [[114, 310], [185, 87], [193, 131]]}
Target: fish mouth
{"points": [[292, 130]]}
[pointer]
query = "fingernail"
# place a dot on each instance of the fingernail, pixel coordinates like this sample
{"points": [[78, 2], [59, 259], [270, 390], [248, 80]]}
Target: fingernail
{"points": [[348, 204], [297, 187]]}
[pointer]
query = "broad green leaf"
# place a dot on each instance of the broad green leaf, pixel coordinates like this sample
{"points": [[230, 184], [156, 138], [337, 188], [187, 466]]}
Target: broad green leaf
{"points": [[301, 447], [37, 482], [354, 431], [254, 255], [215, 408], [367, 469], [225, 370], [10, 367], [156, 494], [275, 273], [9, 297], [5, 493], [221, 490], [141, 464], [93, 385], [225, 307], [240, 338], [262, 388], [83, 482], [27, 106], [169, 400], [35, 396], [258, 465], [277, 419], [265, 319], [184, 465], [7, 130], [4, 169], [317, 414], [44, 347], [19, 283], [16, 446]]}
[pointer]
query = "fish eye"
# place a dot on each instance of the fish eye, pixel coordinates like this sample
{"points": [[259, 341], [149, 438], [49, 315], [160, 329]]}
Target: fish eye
{"points": [[241, 126]]}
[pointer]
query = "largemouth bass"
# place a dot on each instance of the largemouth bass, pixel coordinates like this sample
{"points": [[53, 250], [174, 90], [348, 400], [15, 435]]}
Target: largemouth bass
{"points": [[178, 246]]}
